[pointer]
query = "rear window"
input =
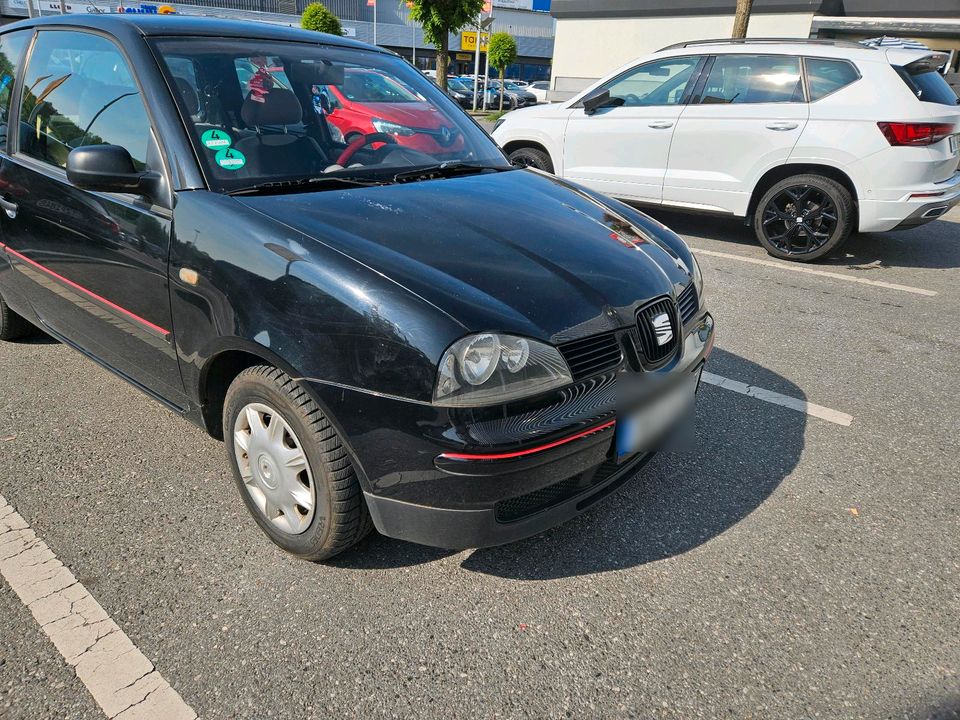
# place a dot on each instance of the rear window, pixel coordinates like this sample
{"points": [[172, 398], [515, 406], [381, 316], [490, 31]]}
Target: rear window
{"points": [[929, 86], [825, 76]]}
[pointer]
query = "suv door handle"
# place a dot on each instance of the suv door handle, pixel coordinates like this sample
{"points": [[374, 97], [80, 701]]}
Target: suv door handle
{"points": [[782, 125], [10, 208], [661, 124]]}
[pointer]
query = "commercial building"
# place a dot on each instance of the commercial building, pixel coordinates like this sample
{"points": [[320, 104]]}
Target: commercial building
{"points": [[386, 23], [593, 38]]}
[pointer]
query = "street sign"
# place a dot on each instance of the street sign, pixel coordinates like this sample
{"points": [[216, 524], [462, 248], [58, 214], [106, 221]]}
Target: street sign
{"points": [[468, 41]]}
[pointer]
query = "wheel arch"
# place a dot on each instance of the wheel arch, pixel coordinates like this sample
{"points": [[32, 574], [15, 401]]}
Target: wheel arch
{"points": [[532, 144], [782, 172]]}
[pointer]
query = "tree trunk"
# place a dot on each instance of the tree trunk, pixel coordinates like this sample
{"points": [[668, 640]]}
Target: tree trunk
{"points": [[443, 57], [501, 89], [741, 19]]}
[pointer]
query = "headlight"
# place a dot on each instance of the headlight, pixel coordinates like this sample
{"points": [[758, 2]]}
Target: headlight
{"points": [[460, 96], [391, 128], [490, 369], [697, 278]]}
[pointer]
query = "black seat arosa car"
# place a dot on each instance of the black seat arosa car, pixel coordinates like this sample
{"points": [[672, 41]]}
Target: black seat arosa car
{"points": [[373, 347]]}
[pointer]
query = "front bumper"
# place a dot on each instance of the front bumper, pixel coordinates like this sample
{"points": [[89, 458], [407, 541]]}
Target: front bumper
{"points": [[422, 488]]}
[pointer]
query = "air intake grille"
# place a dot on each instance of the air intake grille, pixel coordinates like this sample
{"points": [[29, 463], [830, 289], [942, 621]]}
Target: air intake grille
{"points": [[658, 337], [688, 303], [591, 356]]}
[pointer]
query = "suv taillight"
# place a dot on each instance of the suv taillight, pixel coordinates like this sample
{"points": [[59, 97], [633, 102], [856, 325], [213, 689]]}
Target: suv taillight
{"points": [[898, 133]]}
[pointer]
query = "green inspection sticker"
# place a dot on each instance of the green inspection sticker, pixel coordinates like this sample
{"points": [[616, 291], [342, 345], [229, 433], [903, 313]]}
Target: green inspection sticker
{"points": [[216, 139], [230, 159]]}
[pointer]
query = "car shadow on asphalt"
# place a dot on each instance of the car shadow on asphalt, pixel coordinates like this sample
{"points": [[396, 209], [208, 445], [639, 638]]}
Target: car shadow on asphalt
{"points": [[935, 245], [743, 450]]}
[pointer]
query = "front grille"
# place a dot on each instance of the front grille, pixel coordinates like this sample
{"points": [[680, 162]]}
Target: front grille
{"points": [[523, 506], [591, 356], [688, 303], [655, 353]]}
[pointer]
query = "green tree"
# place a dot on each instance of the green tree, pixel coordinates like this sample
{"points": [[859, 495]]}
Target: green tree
{"points": [[317, 17], [439, 18], [502, 51]]}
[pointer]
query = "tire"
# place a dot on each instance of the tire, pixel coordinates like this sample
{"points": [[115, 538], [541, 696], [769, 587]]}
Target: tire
{"points": [[339, 517], [12, 326], [531, 157], [804, 218]]}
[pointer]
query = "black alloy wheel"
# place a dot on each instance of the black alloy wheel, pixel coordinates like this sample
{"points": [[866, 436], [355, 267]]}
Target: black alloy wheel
{"points": [[804, 218]]}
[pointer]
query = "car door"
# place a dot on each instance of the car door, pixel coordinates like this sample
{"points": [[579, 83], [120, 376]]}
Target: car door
{"points": [[744, 118], [93, 263], [622, 149]]}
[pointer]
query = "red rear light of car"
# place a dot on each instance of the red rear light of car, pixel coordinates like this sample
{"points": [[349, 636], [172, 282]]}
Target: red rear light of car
{"points": [[898, 133]]}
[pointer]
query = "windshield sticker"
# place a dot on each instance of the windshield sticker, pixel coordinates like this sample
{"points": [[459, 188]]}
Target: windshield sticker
{"points": [[230, 159], [216, 139]]}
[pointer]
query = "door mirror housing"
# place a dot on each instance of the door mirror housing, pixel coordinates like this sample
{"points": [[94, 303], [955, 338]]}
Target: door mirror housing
{"points": [[108, 168], [597, 100]]}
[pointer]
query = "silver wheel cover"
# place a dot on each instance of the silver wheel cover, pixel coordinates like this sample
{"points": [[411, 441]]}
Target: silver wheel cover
{"points": [[274, 468]]}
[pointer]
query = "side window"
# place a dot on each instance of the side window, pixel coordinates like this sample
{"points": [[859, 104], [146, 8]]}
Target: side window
{"points": [[753, 79], [657, 83], [11, 51], [78, 90], [825, 76]]}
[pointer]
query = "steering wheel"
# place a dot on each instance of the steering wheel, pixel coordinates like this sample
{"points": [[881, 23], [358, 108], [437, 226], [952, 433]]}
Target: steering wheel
{"points": [[361, 142], [632, 99]]}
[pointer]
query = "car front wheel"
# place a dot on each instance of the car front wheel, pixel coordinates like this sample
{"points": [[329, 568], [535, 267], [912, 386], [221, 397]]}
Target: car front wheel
{"points": [[804, 218], [12, 326], [291, 466], [531, 157]]}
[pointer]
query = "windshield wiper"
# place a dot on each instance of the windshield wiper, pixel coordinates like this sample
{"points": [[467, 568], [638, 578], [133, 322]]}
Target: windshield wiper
{"points": [[451, 168], [323, 183]]}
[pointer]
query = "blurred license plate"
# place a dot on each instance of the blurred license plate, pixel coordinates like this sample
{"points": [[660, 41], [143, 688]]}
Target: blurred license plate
{"points": [[646, 427], [953, 144]]}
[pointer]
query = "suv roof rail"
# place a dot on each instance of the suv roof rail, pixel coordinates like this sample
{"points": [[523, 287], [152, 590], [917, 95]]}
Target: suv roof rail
{"points": [[760, 41]]}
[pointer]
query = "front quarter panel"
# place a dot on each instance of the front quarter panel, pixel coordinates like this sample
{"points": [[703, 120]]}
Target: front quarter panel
{"points": [[263, 286], [543, 125]]}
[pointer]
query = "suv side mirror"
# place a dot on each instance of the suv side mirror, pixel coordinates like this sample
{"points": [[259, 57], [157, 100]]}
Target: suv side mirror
{"points": [[597, 100], [108, 168]]}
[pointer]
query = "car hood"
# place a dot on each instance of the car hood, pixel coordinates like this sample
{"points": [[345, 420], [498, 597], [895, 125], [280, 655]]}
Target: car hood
{"points": [[413, 114], [515, 251]]}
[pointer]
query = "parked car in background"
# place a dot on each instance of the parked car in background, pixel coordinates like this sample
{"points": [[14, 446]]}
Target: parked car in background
{"points": [[539, 90], [518, 96], [373, 344], [807, 140], [369, 101], [461, 92]]}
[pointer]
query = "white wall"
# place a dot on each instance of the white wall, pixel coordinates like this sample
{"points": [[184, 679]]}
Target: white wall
{"points": [[587, 49]]}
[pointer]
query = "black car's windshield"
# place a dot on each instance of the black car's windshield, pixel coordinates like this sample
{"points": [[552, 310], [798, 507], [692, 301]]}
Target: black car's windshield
{"points": [[263, 112]]}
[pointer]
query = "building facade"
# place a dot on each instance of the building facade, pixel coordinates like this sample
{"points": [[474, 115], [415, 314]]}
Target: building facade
{"points": [[594, 38]]}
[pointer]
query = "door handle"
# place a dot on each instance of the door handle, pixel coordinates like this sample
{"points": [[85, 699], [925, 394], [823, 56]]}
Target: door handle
{"points": [[661, 124], [782, 125], [10, 208]]}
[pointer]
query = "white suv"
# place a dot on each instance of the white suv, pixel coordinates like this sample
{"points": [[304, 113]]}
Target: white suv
{"points": [[808, 140]]}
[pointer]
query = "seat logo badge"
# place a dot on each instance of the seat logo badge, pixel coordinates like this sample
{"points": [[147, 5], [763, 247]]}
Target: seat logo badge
{"points": [[662, 328]]}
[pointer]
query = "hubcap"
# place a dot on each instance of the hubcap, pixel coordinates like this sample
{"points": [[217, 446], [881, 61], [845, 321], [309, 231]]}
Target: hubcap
{"points": [[800, 219], [274, 468]]}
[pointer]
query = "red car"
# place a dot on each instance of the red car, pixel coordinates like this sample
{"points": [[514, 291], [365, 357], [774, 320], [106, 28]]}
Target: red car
{"points": [[369, 102]]}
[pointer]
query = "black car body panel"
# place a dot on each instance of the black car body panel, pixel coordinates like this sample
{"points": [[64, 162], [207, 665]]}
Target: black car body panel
{"points": [[357, 293]]}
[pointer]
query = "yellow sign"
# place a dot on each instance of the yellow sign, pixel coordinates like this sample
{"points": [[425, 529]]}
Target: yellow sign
{"points": [[468, 41]]}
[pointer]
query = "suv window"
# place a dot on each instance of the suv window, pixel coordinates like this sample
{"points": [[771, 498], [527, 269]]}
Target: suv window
{"points": [[753, 79], [929, 86], [826, 76], [656, 83], [79, 90], [11, 51]]}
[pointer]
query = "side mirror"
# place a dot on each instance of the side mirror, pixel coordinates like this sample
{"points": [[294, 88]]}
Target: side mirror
{"points": [[599, 99], [108, 168]]}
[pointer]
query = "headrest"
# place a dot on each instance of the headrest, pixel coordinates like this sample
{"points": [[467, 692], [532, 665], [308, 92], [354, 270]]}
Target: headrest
{"points": [[277, 107]]}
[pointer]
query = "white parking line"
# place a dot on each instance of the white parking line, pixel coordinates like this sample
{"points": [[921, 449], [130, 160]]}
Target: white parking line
{"points": [[795, 267], [819, 411], [121, 679]]}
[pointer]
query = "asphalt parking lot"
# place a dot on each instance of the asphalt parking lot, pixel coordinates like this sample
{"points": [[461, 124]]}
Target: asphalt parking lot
{"points": [[791, 564]]}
